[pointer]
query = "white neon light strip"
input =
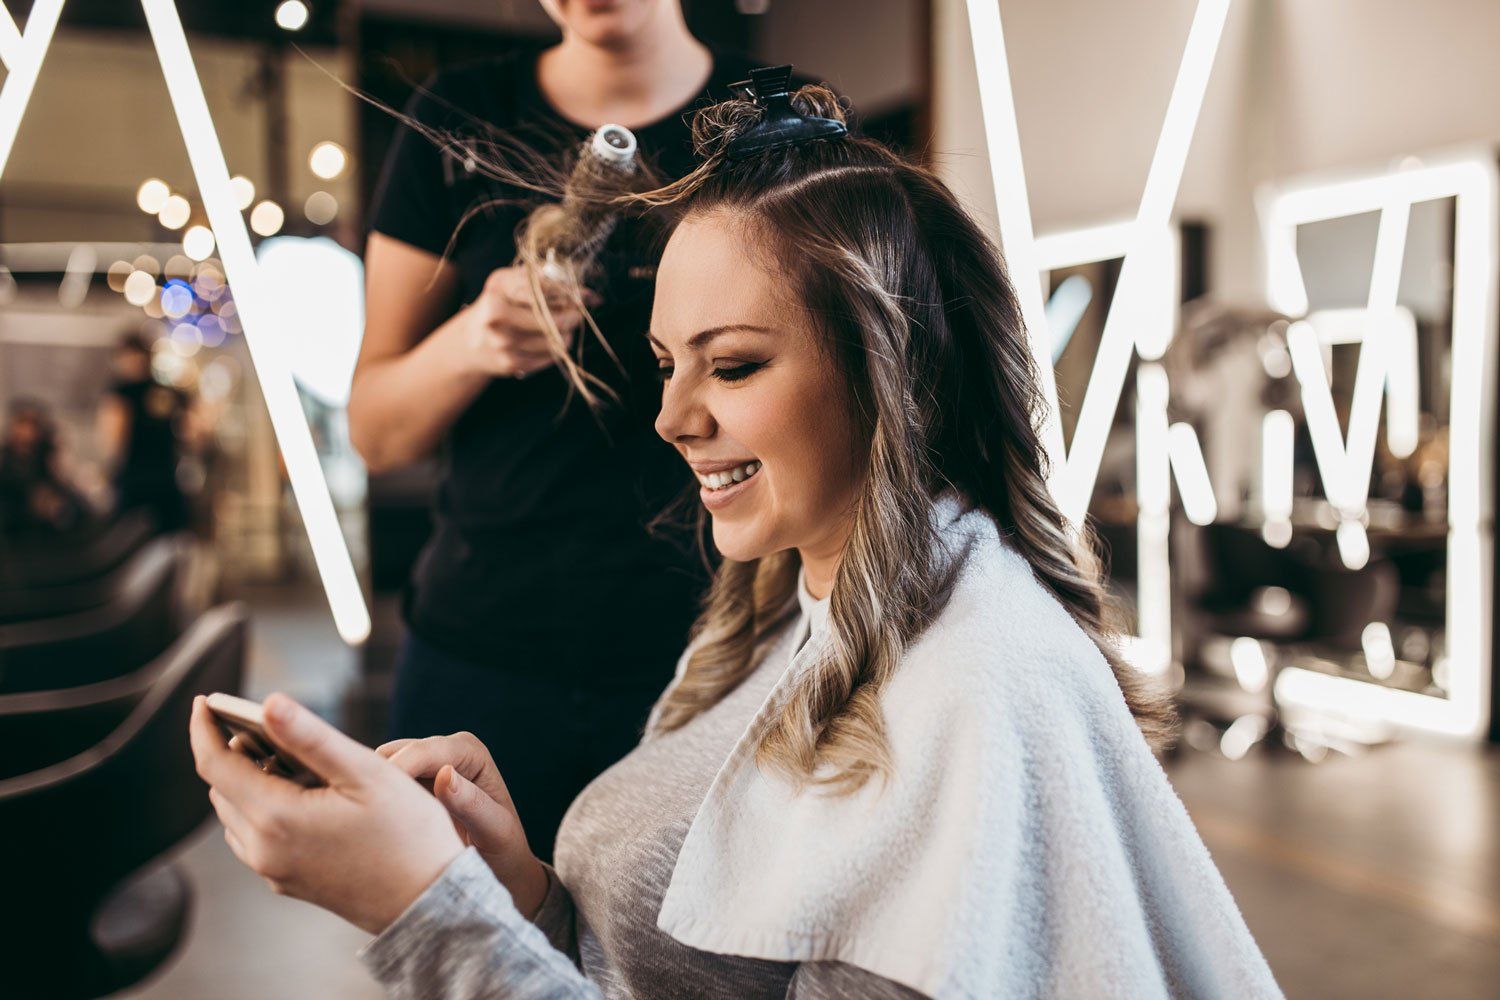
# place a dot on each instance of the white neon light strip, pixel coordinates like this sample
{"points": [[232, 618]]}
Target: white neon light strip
{"points": [[1191, 473], [1372, 703], [1072, 247], [1374, 353], [10, 40], [1278, 437], [350, 615], [24, 63], [1153, 521], [1003, 138], [1471, 179]]}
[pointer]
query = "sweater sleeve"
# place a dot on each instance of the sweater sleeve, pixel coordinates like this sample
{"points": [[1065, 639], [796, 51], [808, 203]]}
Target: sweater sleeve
{"points": [[463, 939], [839, 980]]}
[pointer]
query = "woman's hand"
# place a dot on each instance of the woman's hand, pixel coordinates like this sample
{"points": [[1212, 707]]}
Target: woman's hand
{"points": [[500, 331], [464, 778], [365, 846]]}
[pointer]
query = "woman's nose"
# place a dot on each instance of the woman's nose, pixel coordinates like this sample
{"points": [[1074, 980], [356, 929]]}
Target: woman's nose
{"points": [[683, 416]]}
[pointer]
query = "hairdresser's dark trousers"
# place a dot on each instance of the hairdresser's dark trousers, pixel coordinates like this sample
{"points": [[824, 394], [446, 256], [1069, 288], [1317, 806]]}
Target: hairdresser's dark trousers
{"points": [[550, 737]]}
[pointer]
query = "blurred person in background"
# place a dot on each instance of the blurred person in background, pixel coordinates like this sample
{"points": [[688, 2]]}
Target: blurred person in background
{"points": [[37, 497], [142, 425], [542, 616]]}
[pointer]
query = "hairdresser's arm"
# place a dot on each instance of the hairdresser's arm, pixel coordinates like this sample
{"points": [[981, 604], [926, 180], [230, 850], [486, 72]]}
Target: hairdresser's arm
{"points": [[417, 372]]}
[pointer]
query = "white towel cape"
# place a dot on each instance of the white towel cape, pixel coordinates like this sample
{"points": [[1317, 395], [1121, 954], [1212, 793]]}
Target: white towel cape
{"points": [[1027, 844]]}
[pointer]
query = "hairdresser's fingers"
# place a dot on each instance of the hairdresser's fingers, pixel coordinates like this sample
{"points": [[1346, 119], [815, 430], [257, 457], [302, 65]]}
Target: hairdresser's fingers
{"points": [[531, 347], [525, 319], [521, 371], [511, 286], [557, 301]]}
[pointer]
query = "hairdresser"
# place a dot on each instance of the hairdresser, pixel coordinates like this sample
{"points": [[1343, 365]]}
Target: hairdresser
{"points": [[543, 616]]}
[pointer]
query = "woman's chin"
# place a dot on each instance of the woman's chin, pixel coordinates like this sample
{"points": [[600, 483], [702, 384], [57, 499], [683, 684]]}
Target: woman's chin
{"points": [[738, 542]]}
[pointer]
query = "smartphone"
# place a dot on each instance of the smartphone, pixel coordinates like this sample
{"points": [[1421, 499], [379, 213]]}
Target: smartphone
{"points": [[244, 723]]}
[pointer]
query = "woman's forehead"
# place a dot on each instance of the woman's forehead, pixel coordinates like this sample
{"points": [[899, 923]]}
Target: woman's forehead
{"points": [[709, 278]]}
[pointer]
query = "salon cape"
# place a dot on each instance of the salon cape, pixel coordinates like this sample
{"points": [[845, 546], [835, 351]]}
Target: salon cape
{"points": [[1027, 843]]}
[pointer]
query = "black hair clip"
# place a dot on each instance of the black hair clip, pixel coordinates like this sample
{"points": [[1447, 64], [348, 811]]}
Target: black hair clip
{"points": [[781, 124]]}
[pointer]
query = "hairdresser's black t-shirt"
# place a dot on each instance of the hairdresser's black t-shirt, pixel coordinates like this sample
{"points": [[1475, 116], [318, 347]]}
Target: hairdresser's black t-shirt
{"points": [[541, 560]]}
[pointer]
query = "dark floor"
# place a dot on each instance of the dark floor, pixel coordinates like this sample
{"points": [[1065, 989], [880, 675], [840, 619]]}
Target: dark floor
{"points": [[1369, 877]]}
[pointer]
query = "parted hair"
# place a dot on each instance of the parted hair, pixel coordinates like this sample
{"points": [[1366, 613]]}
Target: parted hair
{"points": [[915, 308]]}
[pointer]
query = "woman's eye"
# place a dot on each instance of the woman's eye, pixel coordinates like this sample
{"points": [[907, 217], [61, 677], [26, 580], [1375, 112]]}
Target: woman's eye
{"points": [[664, 372], [734, 373]]}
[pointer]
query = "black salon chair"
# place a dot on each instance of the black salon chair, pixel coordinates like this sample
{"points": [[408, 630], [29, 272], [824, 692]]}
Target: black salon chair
{"points": [[86, 917], [40, 602], [88, 557], [41, 728], [141, 619]]}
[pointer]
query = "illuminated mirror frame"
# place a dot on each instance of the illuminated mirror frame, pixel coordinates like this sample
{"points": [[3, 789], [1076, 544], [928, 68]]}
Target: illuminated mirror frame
{"points": [[1470, 178]]}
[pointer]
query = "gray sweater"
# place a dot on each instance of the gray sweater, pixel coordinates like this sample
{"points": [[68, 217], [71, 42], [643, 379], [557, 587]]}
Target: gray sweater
{"points": [[596, 934]]}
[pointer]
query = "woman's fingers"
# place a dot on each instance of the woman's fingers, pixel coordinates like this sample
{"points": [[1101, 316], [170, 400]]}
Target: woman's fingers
{"points": [[237, 848], [490, 826], [425, 758], [386, 750], [232, 819], [233, 774]]}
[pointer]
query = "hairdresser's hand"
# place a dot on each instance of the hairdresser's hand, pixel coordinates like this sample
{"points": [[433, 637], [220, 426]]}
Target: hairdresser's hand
{"points": [[500, 334], [365, 846], [465, 779]]}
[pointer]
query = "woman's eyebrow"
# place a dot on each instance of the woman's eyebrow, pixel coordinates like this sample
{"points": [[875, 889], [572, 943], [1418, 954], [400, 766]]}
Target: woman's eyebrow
{"points": [[702, 337]]}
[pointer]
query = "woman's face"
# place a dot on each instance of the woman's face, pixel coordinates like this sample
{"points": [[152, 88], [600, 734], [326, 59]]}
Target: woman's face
{"points": [[25, 431], [750, 400], [607, 23]]}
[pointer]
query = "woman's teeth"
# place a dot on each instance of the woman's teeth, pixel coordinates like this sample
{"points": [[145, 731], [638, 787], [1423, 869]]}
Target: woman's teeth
{"points": [[719, 480]]}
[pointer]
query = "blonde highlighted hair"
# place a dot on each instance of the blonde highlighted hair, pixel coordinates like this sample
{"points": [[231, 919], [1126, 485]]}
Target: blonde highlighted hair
{"points": [[916, 309]]}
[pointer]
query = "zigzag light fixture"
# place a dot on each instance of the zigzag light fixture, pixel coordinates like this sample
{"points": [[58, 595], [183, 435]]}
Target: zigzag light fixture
{"points": [[1472, 180], [1131, 316], [22, 54]]}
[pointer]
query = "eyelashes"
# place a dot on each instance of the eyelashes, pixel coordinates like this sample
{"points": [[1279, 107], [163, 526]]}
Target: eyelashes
{"points": [[727, 373], [737, 373]]}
